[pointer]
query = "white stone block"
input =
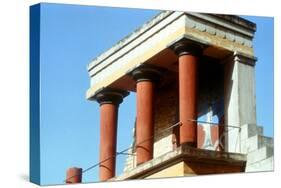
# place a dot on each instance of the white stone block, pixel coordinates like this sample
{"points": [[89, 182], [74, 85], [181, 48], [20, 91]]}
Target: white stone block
{"points": [[261, 166], [200, 26], [239, 39], [233, 139], [163, 146], [190, 23], [249, 130], [211, 29], [260, 130], [259, 155], [255, 142], [220, 33], [229, 36], [248, 43]]}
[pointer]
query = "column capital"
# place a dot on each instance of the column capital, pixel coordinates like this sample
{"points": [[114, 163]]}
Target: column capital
{"points": [[108, 95], [239, 57], [186, 47], [146, 72], [244, 58]]}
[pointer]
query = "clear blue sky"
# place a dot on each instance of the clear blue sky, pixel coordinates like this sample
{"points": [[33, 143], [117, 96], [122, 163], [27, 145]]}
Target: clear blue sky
{"points": [[73, 35]]}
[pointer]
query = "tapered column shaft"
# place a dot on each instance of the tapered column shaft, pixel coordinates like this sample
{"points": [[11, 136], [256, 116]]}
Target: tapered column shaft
{"points": [[188, 99], [145, 121], [146, 77], [188, 53], [108, 137], [109, 100]]}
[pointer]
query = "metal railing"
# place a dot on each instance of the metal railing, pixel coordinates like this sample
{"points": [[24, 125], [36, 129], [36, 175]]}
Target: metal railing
{"points": [[159, 133]]}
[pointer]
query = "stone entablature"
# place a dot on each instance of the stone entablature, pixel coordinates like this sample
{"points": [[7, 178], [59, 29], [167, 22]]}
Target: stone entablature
{"points": [[225, 34]]}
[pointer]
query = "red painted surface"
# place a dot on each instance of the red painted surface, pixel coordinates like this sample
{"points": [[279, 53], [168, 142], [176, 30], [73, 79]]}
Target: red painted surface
{"points": [[74, 175], [188, 98], [200, 136], [108, 136], [145, 121], [214, 133], [215, 136]]}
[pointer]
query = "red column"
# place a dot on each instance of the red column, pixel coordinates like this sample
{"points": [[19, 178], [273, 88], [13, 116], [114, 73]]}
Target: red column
{"points": [[145, 121], [109, 100], [188, 98], [108, 138], [146, 77], [188, 65], [74, 175]]}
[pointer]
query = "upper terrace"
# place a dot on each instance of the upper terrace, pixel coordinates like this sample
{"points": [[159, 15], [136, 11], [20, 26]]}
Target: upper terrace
{"points": [[220, 35]]}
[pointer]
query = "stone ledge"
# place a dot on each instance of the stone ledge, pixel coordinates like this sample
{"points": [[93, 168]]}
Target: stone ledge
{"points": [[223, 21], [183, 153]]}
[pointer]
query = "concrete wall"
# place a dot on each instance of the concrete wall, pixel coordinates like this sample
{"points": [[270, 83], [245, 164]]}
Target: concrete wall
{"points": [[239, 98]]}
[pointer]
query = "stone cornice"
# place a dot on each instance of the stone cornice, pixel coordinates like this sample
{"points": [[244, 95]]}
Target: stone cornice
{"points": [[156, 35], [244, 58], [237, 20], [130, 38], [218, 20], [241, 58], [229, 22]]}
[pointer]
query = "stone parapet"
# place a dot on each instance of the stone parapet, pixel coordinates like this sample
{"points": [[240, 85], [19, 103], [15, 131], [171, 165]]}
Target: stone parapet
{"points": [[225, 162]]}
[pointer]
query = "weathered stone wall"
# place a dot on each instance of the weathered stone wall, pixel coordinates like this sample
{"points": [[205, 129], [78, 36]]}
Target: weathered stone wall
{"points": [[259, 148], [249, 140], [166, 115], [240, 97]]}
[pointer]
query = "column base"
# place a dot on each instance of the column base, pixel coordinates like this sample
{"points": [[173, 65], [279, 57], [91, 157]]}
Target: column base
{"points": [[190, 144]]}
